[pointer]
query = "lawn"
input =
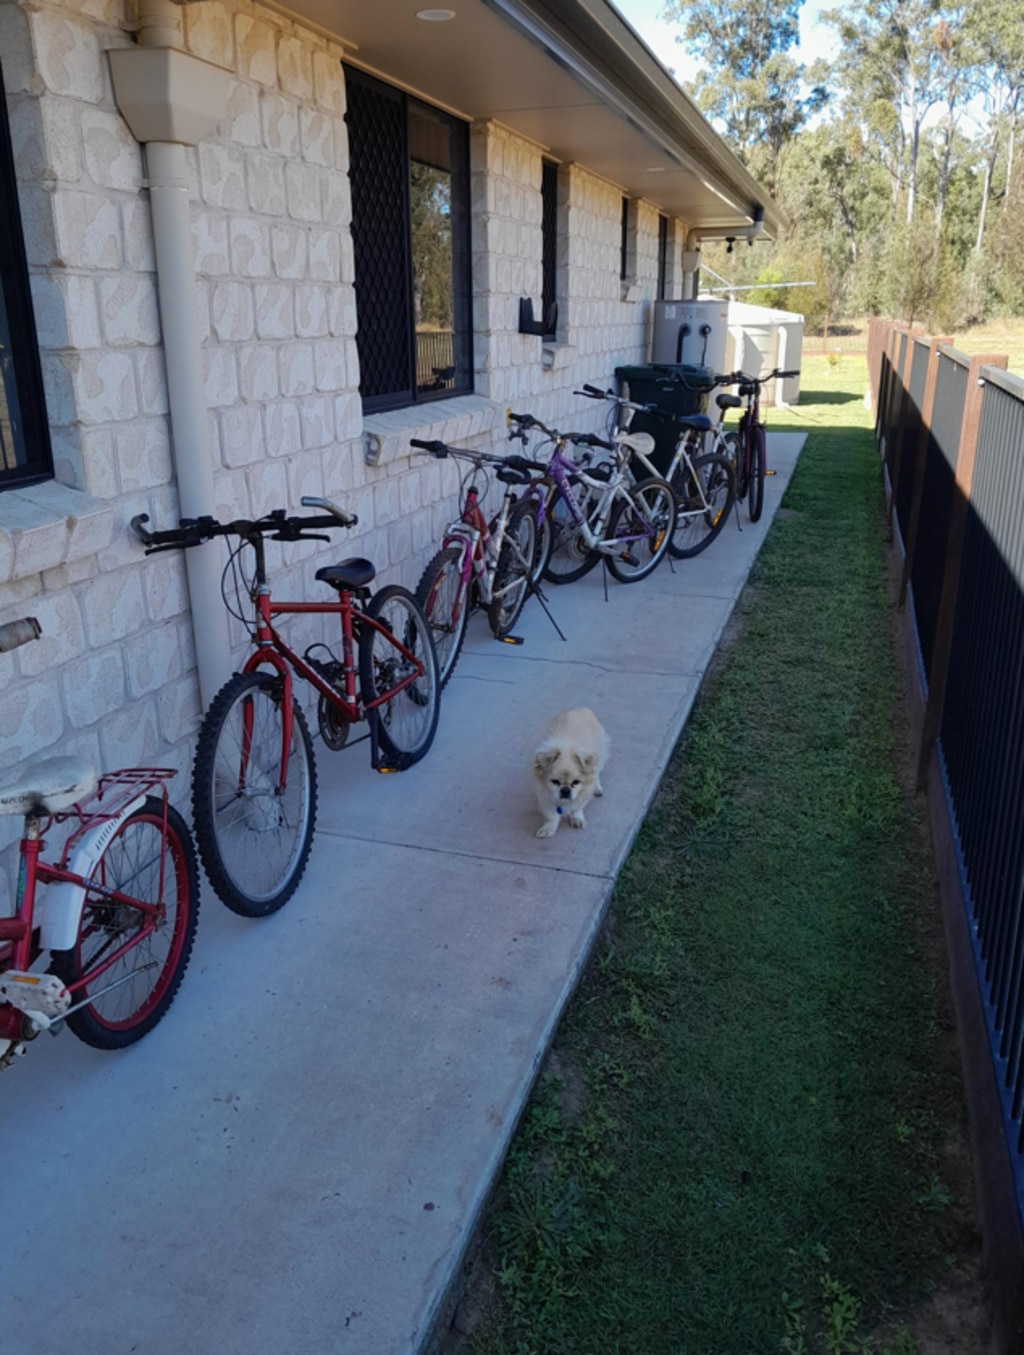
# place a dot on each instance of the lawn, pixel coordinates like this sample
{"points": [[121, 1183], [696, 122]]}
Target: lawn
{"points": [[750, 1134]]}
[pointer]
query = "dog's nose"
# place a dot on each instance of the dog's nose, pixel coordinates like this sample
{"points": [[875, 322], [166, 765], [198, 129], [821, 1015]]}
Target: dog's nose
{"points": [[566, 792]]}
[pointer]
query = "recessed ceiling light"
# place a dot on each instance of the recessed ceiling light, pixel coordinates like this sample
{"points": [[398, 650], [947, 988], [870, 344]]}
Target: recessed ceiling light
{"points": [[435, 16]]}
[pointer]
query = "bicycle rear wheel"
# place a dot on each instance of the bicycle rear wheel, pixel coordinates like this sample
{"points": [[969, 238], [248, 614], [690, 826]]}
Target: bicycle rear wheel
{"points": [[135, 991], [443, 602], [704, 497], [407, 721], [757, 469], [642, 525], [513, 571], [570, 557], [737, 455], [254, 834]]}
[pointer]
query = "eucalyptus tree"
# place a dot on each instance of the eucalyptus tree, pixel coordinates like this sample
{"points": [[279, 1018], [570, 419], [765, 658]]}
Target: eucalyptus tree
{"points": [[748, 85], [892, 70], [996, 28]]}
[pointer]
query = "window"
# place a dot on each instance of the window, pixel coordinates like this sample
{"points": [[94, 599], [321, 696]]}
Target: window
{"points": [[24, 434], [409, 171], [549, 248], [624, 242], [662, 256]]}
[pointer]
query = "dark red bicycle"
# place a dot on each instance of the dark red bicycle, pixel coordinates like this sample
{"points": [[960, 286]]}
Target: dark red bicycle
{"points": [[748, 444], [254, 778]]}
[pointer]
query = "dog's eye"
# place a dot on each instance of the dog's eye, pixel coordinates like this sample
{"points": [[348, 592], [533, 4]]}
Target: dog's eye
{"points": [[555, 781], [575, 783]]}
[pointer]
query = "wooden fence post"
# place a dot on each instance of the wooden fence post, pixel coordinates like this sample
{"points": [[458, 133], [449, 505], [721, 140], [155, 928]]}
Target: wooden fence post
{"points": [[920, 460], [938, 675]]}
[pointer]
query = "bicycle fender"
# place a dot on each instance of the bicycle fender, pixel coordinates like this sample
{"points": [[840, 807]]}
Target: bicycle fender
{"points": [[58, 909]]}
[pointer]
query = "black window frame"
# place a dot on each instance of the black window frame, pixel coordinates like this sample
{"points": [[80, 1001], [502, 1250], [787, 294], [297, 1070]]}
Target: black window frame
{"points": [[549, 248], [624, 242], [28, 422], [409, 391], [662, 256]]}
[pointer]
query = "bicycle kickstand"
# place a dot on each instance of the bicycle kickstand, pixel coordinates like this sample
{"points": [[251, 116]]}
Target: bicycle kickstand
{"points": [[541, 597]]}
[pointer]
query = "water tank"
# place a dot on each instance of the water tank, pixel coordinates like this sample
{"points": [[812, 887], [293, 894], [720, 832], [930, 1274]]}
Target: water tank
{"points": [[693, 332]]}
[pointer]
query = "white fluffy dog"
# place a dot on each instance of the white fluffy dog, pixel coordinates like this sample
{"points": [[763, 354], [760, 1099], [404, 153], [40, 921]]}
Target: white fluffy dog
{"points": [[567, 768]]}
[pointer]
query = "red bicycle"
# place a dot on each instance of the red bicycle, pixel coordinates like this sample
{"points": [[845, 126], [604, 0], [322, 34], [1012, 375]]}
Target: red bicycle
{"points": [[254, 779], [107, 952]]}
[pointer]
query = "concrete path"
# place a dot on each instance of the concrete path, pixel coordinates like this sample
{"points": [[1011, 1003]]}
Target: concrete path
{"points": [[294, 1160]]}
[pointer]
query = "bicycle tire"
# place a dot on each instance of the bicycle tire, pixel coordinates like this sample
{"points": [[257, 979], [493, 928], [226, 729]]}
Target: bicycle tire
{"points": [[545, 542], [569, 558], [738, 444], [407, 722], [438, 594], [695, 531], [254, 842], [514, 569], [642, 556], [755, 503], [133, 861]]}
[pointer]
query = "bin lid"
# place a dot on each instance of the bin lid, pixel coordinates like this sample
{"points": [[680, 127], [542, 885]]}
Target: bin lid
{"points": [[692, 375]]}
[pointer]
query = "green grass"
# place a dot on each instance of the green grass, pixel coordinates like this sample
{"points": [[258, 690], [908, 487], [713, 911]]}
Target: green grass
{"points": [[740, 1141]]}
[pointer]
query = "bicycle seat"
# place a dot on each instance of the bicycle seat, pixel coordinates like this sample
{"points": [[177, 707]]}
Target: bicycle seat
{"points": [[700, 423], [354, 573], [47, 787], [638, 442], [728, 401]]}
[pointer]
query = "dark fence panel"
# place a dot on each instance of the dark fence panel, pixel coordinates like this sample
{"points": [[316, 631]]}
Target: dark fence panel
{"points": [[903, 488], [937, 498], [982, 736]]}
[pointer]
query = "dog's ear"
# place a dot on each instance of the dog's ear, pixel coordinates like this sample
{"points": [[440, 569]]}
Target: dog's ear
{"points": [[587, 762], [544, 759]]}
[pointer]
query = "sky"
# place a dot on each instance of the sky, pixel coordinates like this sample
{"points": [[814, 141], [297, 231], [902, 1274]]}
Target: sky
{"points": [[815, 39]]}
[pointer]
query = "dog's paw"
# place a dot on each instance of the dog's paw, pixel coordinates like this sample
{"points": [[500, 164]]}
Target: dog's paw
{"points": [[548, 828], [576, 821], [599, 789]]}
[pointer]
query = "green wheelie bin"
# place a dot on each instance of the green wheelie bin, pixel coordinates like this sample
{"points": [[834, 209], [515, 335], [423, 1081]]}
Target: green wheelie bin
{"points": [[675, 387]]}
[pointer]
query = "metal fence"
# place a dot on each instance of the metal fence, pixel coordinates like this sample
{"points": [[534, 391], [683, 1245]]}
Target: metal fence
{"points": [[951, 435]]}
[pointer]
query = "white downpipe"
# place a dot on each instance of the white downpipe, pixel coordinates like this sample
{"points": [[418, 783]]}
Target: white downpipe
{"points": [[193, 456], [169, 100], [691, 254]]}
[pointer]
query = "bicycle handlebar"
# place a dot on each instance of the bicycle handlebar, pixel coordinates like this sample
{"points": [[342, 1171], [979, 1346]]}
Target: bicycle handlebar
{"points": [[277, 525], [20, 632]]}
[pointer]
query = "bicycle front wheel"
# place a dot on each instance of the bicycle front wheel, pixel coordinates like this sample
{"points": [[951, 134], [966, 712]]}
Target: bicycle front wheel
{"points": [[131, 995], [408, 719], [704, 496], [254, 822], [757, 469], [512, 574], [641, 528], [445, 604]]}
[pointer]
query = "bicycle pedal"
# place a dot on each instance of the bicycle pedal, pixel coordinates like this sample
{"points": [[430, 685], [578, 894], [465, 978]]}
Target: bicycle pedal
{"points": [[387, 771], [769, 472], [44, 994], [510, 639], [628, 559]]}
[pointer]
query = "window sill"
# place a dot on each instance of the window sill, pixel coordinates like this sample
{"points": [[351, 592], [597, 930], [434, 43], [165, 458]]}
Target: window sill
{"points": [[554, 356], [386, 436], [632, 291], [47, 525]]}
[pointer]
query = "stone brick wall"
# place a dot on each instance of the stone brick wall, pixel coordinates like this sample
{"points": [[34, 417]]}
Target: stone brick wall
{"points": [[114, 678]]}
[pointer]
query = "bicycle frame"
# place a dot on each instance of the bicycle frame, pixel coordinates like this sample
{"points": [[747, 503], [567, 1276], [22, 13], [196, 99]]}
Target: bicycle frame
{"points": [[559, 469], [273, 651], [100, 815]]}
